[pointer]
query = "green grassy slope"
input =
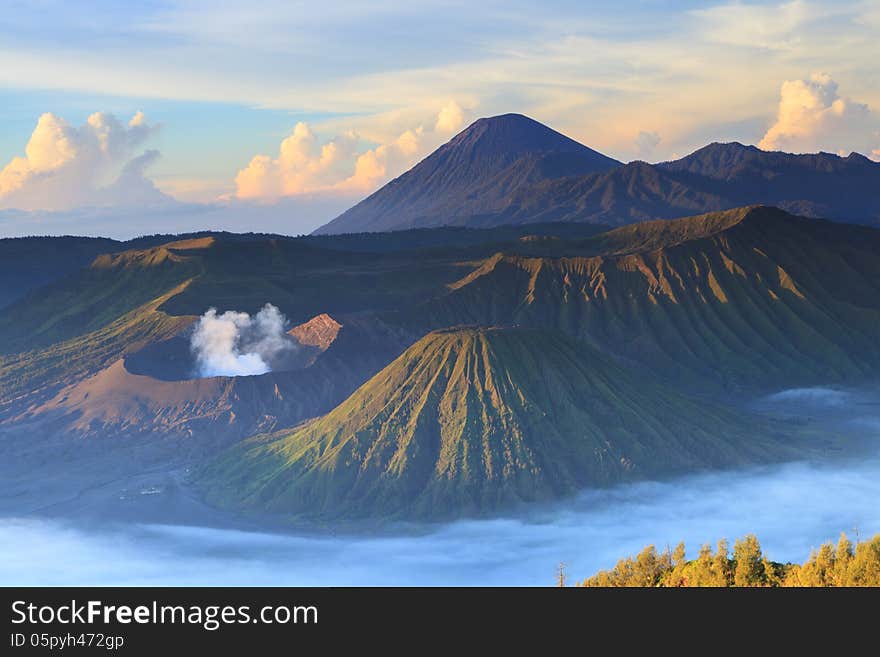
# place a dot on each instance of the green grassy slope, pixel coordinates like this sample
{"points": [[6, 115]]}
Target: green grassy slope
{"points": [[743, 300], [27, 263], [63, 332], [302, 280], [35, 375], [470, 420], [302, 276], [94, 298]]}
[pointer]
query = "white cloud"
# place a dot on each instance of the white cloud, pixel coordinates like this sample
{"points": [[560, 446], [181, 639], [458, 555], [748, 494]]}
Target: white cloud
{"points": [[589, 70], [303, 166], [450, 119], [813, 116], [774, 27], [66, 167], [645, 143], [306, 166]]}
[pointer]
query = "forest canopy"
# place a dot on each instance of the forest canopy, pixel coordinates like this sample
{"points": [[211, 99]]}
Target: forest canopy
{"points": [[843, 564]]}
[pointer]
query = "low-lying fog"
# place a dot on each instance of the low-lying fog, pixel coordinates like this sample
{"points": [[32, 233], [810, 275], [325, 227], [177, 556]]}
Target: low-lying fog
{"points": [[791, 508]]}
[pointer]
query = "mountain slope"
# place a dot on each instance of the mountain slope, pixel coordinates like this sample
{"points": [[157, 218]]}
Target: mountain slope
{"points": [[631, 193], [27, 263], [471, 174], [742, 300], [717, 177], [33, 376], [814, 185], [111, 287], [119, 391], [470, 420], [483, 182]]}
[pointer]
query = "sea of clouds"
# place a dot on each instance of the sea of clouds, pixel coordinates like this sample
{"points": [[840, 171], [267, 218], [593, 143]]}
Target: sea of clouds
{"points": [[792, 508]]}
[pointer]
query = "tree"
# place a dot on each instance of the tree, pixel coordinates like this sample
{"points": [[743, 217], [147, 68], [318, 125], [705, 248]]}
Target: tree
{"points": [[749, 568], [722, 573], [648, 567], [842, 565], [679, 556], [560, 575], [843, 557]]}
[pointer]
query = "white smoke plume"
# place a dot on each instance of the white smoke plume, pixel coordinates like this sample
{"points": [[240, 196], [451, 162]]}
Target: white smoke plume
{"points": [[236, 344]]}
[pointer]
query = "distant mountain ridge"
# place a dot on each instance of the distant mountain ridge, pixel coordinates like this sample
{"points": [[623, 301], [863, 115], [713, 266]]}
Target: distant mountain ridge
{"points": [[512, 170]]}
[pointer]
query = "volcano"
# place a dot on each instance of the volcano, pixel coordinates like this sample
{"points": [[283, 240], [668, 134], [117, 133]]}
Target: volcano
{"points": [[474, 419], [472, 174]]}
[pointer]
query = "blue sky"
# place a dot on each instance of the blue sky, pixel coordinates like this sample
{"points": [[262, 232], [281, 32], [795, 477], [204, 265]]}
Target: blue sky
{"points": [[220, 84]]}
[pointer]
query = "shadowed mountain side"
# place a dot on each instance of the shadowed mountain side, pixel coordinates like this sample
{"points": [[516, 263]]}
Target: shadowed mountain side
{"points": [[745, 300], [468, 421], [464, 183], [472, 174], [303, 280], [27, 263], [718, 177], [32, 377], [241, 275], [814, 185], [631, 193], [113, 286]]}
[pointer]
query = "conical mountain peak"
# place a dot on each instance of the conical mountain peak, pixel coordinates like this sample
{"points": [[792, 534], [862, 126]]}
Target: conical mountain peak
{"points": [[474, 173]]}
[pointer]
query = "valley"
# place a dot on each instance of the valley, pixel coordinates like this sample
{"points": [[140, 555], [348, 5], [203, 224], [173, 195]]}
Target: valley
{"points": [[168, 539], [427, 374], [491, 371]]}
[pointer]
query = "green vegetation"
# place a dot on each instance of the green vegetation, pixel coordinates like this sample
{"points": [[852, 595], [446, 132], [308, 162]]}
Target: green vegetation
{"points": [[99, 296], [469, 420], [230, 274], [584, 381], [34, 376], [303, 280], [28, 263], [741, 301], [844, 564]]}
